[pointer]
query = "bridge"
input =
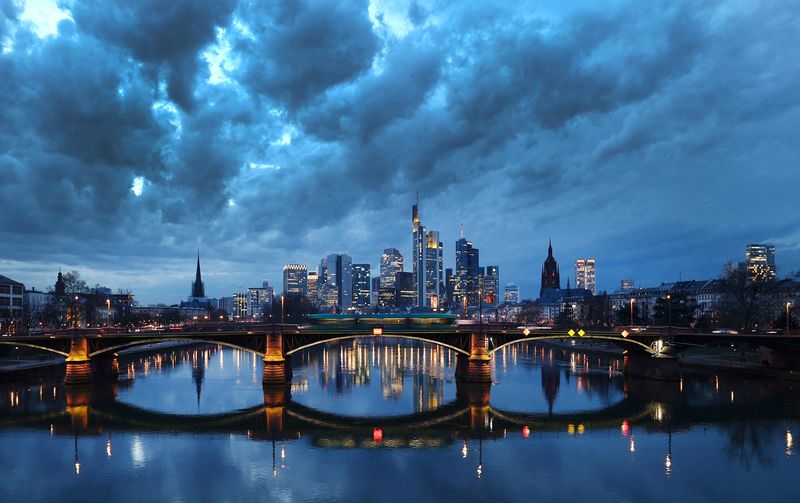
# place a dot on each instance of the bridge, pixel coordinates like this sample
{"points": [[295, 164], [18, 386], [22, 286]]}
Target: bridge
{"points": [[91, 354]]}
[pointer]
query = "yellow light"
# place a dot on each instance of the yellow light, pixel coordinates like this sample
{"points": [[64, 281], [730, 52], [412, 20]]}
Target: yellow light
{"points": [[581, 332], [377, 331], [571, 332], [526, 332], [624, 333]]}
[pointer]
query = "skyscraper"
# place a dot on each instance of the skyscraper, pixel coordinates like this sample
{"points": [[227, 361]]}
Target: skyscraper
{"points": [[760, 262], [512, 294], [434, 270], [361, 286], [585, 275], [551, 278], [313, 287], [391, 264], [418, 255], [339, 267], [405, 294], [468, 274], [491, 285], [295, 279]]}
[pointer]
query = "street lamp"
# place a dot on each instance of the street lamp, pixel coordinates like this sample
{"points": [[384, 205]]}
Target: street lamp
{"points": [[788, 305], [108, 311], [632, 301], [669, 301]]}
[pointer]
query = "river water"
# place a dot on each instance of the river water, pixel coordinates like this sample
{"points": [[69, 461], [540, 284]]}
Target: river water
{"points": [[386, 420]]}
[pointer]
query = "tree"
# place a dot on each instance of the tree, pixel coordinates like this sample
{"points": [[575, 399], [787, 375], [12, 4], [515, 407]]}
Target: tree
{"points": [[528, 312], [296, 309], [743, 304], [74, 284], [682, 309], [623, 315]]}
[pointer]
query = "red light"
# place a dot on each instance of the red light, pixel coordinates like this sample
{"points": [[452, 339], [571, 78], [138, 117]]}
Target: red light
{"points": [[625, 428], [525, 432], [377, 435]]}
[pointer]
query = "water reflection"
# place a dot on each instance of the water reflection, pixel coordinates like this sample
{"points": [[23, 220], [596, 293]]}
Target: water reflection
{"points": [[374, 397]]}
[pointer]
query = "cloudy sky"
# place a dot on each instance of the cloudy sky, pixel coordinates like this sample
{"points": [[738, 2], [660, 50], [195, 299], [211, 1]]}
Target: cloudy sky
{"points": [[658, 137]]}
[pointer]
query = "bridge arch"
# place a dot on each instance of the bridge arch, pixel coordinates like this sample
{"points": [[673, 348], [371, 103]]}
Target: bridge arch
{"points": [[334, 338], [35, 346], [140, 342], [535, 338]]}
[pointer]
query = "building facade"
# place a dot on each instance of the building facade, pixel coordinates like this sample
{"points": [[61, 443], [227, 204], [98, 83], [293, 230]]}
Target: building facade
{"points": [[434, 270], [338, 273], [295, 279], [551, 277], [391, 264], [760, 262], [12, 300], [511, 294], [585, 274], [491, 285], [361, 285], [405, 291]]}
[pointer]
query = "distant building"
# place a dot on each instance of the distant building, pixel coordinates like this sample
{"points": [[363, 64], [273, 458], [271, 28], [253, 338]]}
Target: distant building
{"points": [[198, 298], [226, 305], [313, 286], [491, 285], [551, 277], [512, 294], [240, 303], [259, 302], [375, 286], [585, 274], [760, 262], [449, 285], [361, 285], [626, 284], [405, 292], [295, 279], [468, 277], [434, 269], [418, 256], [391, 264], [338, 273], [12, 299]]}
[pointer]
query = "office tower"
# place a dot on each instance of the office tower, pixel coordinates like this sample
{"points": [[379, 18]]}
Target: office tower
{"points": [[405, 292], [391, 264], [338, 271], [491, 285], [512, 294], [313, 286], [760, 262], [449, 282], [434, 271], [240, 305], [585, 275], [259, 302], [418, 255], [295, 279], [360, 286], [551, 277], [468, 274], [375, 286]]}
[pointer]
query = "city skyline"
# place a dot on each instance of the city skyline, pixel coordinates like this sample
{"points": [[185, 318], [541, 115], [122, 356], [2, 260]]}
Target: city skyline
{"points": [[659, 161]]}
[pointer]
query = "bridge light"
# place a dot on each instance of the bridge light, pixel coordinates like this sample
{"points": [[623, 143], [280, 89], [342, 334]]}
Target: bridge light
{"points": [[377, 435], [571, 332], [526, 332], [624, 428], [581, 332], [624, 333], [377, 330], [525, 432]]}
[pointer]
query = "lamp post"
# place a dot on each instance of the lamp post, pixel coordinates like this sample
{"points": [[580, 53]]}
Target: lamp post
{"points": [[669, 302], [108, 312], [632, 301], [788, 305]]}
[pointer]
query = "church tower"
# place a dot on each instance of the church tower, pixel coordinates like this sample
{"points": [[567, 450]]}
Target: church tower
{"points": [[198, 289], [551, 278]]}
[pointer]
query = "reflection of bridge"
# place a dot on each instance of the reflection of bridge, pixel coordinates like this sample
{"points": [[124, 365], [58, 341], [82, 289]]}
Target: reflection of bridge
{"points": [[90, 355]]}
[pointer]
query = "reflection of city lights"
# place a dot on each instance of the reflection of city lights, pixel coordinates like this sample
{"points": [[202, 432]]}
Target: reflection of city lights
{"points": [[731, 396], [108, 447], [633, 445], [659, 413], [377, 435], [668, 464], [464, 450], [283, 452], [77, 468], [480, 471], [624, 428], [571, 429], [789, 443], [525, 432]]}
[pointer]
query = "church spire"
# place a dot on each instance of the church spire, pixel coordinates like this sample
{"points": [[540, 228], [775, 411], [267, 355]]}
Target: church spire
{"points": [[550, 249], [198, 289]]}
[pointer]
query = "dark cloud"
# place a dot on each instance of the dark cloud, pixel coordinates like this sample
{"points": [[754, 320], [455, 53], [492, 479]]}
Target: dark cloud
{"points": [[658, 137]]}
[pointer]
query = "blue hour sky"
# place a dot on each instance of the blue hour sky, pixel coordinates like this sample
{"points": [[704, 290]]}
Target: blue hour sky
{"points": [[658, 137]]}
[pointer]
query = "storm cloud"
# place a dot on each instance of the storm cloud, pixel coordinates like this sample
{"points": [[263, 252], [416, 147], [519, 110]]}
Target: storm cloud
{"points": [[658, 137]]}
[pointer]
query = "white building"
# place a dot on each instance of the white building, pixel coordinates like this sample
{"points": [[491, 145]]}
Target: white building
{"points": [[585, 274]]}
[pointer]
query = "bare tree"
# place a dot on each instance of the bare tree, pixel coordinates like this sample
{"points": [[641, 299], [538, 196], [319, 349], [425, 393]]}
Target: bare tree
{"points": [[743, 303]]}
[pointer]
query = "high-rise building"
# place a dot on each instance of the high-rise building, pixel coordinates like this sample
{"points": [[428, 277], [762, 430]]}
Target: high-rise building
{"points": [[512, 294], [375, 287], [585, 275], [361, 285], [391, 264], [491, 285], [295, 279], [337, 268], [259, 302], [434, 270], [240, 302], [468, 279], [418, 255], [760, 262], [313, 287], [450, 284], [405, 292], [551, 277]]}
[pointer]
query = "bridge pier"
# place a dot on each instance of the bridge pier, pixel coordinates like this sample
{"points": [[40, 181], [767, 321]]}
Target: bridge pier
{"points": [[277, 369], [476, 396], [476, 367], [79, 366], [275, 399], [662, 368]]}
